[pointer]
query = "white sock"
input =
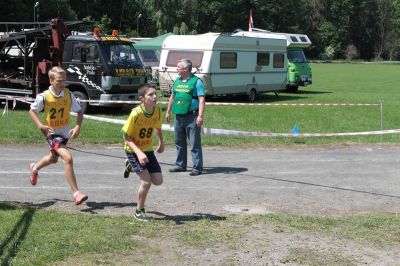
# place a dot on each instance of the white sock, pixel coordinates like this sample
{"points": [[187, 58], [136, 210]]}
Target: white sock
{"points": [[35, 170]]}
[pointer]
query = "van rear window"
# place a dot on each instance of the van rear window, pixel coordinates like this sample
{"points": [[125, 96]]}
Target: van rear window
{"points": [[174, 56]]}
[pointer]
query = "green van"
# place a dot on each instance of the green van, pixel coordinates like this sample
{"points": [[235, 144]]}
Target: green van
{"points": [[299, 71]]}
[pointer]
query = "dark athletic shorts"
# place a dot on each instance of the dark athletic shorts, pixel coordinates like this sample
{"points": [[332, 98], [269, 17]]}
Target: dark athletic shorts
{"points": [[55, 142], [152, 166]]}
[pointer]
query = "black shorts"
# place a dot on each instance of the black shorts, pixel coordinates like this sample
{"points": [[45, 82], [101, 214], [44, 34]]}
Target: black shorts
{"points": [[55, 142], [152, 166]]}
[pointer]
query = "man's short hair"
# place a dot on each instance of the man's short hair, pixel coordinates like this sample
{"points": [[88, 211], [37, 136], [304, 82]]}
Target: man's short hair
{"points": [[187, 63], [55, 70]]}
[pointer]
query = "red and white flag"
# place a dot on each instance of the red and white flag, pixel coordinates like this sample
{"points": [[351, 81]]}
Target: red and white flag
{"points": [[250, 20]]}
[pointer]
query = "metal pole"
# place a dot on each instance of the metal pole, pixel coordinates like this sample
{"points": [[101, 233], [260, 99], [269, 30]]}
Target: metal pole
{"points": [[381, 119], [120, 20], [137, 24], [35, 19]]}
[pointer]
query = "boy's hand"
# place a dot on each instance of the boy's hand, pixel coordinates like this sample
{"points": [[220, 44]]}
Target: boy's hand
{"points": [[142, 158], [46, 131], [160, 148], [75, 132]]}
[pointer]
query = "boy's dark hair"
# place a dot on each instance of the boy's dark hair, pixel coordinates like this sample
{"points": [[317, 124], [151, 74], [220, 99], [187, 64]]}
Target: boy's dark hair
{"points": [[144, 88]]}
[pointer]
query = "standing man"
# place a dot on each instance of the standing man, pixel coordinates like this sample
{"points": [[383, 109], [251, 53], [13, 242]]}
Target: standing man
{"points": [[188, 103]]}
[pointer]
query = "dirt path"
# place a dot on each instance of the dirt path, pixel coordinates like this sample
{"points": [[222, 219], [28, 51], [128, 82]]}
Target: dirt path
{"points": [[325, 180], [303, 180]]}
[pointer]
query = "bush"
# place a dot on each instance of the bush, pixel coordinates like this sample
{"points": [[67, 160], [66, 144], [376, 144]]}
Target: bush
{"points": [[351, 52]]}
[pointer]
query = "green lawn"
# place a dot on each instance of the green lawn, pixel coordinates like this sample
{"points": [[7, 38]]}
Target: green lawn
{"points": [[333, 83], [33, 236]]}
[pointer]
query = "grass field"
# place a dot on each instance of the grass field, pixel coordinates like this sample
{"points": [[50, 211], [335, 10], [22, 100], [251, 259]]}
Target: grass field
{"points": [[31, 236], [35, 236], [333, 83]]}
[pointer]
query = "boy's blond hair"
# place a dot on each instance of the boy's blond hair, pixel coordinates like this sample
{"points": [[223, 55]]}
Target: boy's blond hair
{"points": [[55, 70]]}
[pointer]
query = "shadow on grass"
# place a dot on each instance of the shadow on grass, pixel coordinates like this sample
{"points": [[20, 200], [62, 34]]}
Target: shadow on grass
{"points": [[15, 237], [93, 206], [181, 219]]}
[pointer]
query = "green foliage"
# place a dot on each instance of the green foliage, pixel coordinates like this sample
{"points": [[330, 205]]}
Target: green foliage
{"points": [[371, 26]]}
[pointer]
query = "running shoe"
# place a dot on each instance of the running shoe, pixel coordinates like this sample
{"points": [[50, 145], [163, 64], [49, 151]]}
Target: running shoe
{"points": [[79, 197], [128, 168], [140, 215], [34, 175]]}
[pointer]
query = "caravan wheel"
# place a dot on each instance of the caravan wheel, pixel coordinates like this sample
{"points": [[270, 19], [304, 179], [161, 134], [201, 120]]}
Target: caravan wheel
{"points": [[252, 95]]}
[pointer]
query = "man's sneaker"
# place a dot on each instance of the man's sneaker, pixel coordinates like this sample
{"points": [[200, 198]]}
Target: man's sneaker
{"points": [[79, 197], [34, 175], [128, 168], [140, 215]]}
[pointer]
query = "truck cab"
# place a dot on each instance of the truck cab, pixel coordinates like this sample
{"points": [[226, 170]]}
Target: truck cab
{"points": [[102, 68]]}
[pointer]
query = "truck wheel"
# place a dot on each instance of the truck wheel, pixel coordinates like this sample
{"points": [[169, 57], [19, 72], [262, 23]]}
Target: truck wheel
{"points": [[252, 95], [292, 88], [82, 96]]}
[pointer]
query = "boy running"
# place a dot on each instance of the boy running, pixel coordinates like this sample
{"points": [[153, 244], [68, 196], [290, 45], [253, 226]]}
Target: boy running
{"points": [[57, 103], [138, 130]]}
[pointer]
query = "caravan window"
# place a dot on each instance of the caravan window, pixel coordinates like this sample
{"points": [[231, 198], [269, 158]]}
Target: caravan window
{"points": [[174, 56], [279, 60], [228, 60], [262, 59]]}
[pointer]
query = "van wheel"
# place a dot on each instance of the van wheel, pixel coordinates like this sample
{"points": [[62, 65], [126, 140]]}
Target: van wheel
{"points": [[252, 95], [292, 88], [82, 96]]}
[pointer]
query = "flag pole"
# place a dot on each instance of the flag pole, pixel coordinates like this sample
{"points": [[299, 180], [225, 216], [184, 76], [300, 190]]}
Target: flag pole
{"points": [[251, 20]]}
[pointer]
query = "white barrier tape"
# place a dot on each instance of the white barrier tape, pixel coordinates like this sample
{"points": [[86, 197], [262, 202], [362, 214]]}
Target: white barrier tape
{"points": [[214, 131], [28, 99], [245, 104]]}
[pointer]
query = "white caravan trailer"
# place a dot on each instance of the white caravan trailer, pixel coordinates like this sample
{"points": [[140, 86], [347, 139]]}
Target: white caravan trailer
{"points": [[228, 65], [299, 71]]}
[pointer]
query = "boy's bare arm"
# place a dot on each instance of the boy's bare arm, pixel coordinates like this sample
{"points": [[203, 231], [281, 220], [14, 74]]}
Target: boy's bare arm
{"points": [[77, 129], [161, 147], [46, 130]]}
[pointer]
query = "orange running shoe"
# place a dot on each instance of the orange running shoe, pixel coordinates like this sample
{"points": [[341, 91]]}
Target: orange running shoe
{"points": [[34, 176]]}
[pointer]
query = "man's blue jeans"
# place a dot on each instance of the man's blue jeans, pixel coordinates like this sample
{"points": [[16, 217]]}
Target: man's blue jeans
{"points": [[185, 128]]}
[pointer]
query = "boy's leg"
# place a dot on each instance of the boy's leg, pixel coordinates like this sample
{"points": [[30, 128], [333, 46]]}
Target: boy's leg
{"points": [[46, 160], [35, 167], [66, 155], [156, 178], [144, 187]]}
